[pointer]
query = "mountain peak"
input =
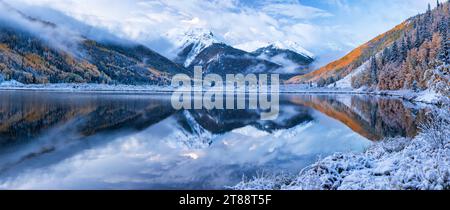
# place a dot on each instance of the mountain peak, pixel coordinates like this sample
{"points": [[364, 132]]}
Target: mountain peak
{"points": [[292, 46], [192, 43], [199, 34]]}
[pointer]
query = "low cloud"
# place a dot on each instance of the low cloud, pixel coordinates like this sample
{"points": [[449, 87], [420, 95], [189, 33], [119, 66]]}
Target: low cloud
{"points": [[58, 37]]}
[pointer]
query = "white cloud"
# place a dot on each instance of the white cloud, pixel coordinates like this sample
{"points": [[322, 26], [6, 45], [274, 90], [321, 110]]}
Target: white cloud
{"points": [[295, 11]]}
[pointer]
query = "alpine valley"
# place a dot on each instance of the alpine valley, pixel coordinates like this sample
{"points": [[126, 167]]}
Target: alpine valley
{"points": [[87, 102]]}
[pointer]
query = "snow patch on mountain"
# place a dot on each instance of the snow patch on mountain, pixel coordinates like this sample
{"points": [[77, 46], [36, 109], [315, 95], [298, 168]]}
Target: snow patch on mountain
{"points": [[281, 45], [251, 46], [292, 46], [346, 82]]}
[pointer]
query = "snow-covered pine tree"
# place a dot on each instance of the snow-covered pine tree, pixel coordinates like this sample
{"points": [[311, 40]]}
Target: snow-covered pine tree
{"points": [[408, 43], [403, 50], [418, 40], [374, 70], [385, 56], [394, 52], [444, 53]]}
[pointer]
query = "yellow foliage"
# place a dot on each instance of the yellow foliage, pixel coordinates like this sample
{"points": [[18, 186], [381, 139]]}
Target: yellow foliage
{"points": [[34, 61], [335, 67], [4, 47]]}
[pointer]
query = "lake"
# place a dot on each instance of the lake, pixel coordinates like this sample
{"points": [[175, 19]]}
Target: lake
{"points": [[56, 140]]}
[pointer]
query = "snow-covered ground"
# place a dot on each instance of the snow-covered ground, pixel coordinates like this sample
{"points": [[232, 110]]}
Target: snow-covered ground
{"points": [[346, 82], [69, 87], [427, 96], [422, 163]]}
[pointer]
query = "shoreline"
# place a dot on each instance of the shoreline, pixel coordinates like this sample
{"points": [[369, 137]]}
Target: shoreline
{"points": [[418, 97]]}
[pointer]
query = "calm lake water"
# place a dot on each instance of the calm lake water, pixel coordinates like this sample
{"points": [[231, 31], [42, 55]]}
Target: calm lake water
{"points": [[52, 140]]}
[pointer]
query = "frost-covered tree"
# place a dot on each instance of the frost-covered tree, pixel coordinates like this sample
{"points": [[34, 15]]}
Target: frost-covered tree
{"points": [[321, 82], [418, 40], [385, 55], [444, 51], [403, 50], [394, 52], [374, 70]]}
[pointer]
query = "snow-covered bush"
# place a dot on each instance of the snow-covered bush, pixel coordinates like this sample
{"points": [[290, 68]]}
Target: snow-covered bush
{"points": [[265, 181], [422, 163]]}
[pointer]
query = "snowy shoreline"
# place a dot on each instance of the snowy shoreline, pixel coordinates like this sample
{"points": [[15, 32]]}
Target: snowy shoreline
{"points": [[420, 163], [428, 97]]}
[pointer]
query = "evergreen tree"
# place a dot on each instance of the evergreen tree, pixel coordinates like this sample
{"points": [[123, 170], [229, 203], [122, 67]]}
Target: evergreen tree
{"points": [[403, 50], [443, 26], [418, 41], [394, 52], [425, 33], [408, 43], [444, 52], [385, 56], [374, 71]]}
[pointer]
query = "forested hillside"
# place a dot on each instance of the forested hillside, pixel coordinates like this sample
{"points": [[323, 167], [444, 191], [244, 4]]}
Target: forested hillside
{"points": [[414, 55], [419, 59], [34, 51]]}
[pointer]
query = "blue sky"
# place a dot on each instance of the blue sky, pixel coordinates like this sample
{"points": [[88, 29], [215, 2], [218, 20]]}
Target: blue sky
{"points": [[328, 28]]}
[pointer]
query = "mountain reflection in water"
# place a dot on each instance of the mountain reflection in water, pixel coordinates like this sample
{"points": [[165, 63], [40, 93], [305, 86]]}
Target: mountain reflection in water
{"points": [[93, 140]]}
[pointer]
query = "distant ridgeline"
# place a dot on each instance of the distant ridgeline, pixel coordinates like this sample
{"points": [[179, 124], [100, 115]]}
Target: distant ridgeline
{"points": [[413, 55]]}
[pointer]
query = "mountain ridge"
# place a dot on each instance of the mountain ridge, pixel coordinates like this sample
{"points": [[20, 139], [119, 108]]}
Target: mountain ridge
{"points": [[201, 47]]}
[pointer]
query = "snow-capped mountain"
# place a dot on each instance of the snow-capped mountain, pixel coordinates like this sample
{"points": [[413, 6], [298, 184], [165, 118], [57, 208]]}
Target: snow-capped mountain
{"points": [[291, 46], [201, 47], [223, 59], [192, 43], [290, 55]]}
